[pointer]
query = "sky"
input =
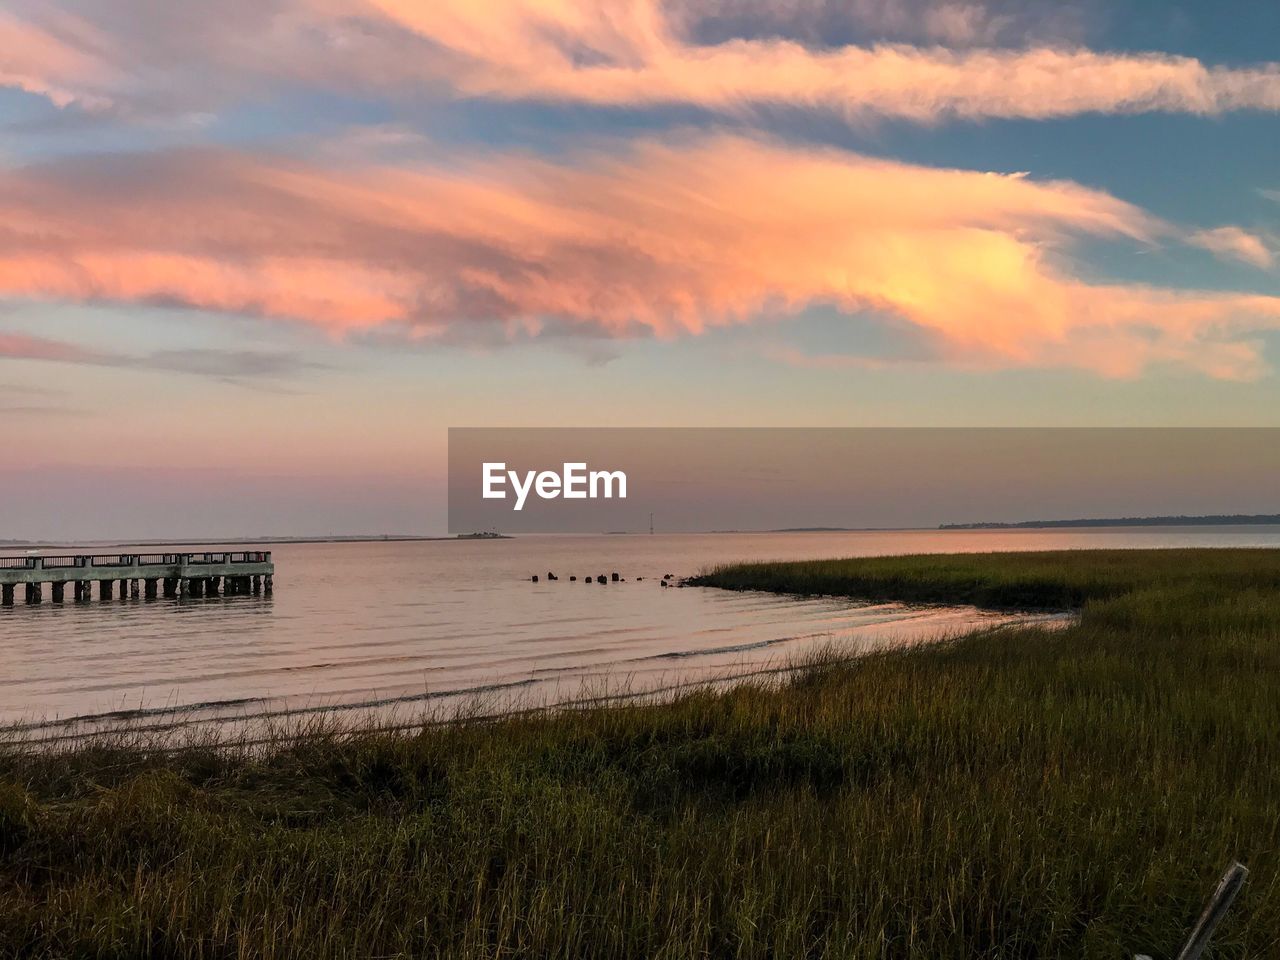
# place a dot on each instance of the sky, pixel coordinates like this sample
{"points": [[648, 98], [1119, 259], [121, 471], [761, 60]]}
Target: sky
{"points": [[694, 480], [256, 257]]}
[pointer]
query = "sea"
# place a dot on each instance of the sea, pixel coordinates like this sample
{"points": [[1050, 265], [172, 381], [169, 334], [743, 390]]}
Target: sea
{"points": [[425, 629]]}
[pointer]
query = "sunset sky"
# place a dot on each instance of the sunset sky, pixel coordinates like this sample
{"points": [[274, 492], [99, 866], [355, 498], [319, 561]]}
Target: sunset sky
{"points": [[257, 255]]}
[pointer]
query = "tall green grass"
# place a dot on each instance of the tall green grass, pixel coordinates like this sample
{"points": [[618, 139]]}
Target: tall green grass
{"points": [[1025, 794]]}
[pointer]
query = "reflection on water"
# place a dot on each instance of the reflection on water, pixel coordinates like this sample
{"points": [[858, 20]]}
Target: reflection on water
{"points": [[369, 624]]}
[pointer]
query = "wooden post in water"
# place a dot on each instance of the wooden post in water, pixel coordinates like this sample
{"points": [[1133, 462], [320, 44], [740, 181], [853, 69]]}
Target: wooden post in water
{"points": [[58, 588]]}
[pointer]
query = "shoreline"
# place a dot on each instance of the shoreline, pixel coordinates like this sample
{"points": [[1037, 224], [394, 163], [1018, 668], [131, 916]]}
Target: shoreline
{"points": [[781, 654]]}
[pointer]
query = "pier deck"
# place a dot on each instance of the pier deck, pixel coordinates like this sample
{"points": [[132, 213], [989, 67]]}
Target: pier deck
{"points": [[138, 574]]}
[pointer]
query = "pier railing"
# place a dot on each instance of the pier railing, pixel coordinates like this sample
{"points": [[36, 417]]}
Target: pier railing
{"points": [[59, 563], [116, 560]]}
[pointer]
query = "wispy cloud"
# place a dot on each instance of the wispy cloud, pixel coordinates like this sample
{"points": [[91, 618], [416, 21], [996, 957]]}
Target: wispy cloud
{"points": [[21, 346], [1233, 243], [947, 22], [21, 400], [630, 52], [141, 56], [64, 69], [248, 367], [646, 239], [235, 366]]}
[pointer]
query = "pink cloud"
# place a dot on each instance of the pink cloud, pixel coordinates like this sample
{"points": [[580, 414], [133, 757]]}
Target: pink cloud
{"points": [[653, 239], [19, 346], [1232, 243], [35, 59], [631, 52], [613, 52]]}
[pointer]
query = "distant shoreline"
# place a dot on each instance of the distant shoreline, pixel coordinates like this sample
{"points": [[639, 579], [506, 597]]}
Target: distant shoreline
{"points": [[1267, 519], [1212, 520]]}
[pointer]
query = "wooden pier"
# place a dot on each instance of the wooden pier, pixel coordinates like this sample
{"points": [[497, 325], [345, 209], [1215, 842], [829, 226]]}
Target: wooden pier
{"points": [[139, 575]]}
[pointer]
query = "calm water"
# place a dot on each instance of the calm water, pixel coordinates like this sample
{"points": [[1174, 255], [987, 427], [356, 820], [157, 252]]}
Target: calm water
{"points": [[403, 625]]}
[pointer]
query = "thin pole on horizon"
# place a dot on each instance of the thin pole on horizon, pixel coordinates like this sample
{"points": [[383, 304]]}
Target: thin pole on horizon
{"points": [[651, 524]]}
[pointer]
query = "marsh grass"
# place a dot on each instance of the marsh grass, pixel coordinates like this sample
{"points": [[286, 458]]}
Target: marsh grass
{"points": [[1024, 793]]}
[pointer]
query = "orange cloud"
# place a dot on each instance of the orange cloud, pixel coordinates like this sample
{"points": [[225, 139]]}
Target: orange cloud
{"points": [[657, 239]]}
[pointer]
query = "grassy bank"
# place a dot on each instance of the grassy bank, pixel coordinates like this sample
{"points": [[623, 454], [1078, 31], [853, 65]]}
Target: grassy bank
{"points": [[1024, 794]]}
